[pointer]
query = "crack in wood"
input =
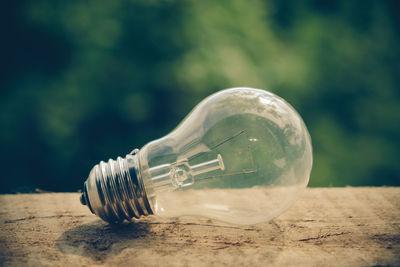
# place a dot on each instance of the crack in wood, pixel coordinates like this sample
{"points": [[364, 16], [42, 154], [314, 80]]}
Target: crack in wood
{"points": [[322, 236]]}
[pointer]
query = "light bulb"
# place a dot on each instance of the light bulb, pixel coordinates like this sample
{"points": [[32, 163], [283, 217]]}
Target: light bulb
{"points": [[242, 156]]}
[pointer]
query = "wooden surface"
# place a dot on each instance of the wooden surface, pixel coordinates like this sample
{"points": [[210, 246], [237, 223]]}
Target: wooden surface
{"points": [[327, 226]]}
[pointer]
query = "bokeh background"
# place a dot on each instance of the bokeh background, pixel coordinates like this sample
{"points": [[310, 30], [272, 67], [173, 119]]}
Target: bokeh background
{"points": [[83, 81]]}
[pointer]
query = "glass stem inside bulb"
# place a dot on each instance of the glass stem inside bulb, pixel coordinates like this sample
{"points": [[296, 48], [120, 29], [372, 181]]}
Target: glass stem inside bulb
{"points": [[212, 165], [182, 174]]}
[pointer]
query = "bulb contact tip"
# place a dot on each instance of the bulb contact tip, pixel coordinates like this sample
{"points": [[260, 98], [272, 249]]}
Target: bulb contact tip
{"points": [[82, 199]]}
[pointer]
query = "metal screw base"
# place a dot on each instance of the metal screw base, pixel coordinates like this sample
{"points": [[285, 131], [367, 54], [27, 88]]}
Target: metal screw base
{"points": [[115, 192]]}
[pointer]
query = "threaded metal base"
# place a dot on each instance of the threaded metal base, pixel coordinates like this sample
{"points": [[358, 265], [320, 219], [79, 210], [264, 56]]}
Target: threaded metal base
{"points": [[115, 192]]}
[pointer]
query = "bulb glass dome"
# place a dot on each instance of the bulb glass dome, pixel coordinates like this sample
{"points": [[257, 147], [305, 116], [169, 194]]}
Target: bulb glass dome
{"points": [[242, 156]]}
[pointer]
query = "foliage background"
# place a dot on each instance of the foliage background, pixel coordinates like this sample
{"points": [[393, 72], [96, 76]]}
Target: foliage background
{"points": [[83, 81]]}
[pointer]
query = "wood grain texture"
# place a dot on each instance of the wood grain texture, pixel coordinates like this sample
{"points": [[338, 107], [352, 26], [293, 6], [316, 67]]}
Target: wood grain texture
{"points": [[326, 227]]}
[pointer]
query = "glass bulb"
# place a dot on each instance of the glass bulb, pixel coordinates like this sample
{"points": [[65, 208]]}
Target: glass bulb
{"points": [[242, 156]]}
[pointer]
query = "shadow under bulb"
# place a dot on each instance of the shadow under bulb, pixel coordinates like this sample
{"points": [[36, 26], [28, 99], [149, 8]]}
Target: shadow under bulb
{"points": [[242, 156]]}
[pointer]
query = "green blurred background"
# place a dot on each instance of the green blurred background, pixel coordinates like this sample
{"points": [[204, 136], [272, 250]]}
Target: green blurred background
{"points": [[83, 81]]}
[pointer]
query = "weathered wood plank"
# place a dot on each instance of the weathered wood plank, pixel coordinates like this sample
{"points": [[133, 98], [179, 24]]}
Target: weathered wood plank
{"points": [[327, 226]]}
